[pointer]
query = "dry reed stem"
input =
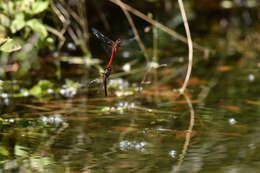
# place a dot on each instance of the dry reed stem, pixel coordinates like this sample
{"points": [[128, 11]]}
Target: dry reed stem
{"points": [[64, 22], [157, 24], [3, 41], [83, 15], [78, 32], [55, 32], [102, 16], [187, 30], [131, 22]]}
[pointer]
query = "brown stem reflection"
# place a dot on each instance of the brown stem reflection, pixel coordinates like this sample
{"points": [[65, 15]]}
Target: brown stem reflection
{"points": [[188, 135]]}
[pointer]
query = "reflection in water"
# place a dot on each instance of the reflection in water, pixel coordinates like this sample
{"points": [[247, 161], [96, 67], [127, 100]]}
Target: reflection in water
{"points": [[130, 145], [141, 136], [55, 119], [188, 135]]}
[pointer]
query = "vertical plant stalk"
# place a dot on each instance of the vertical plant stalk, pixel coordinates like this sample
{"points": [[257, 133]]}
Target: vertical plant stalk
{"points": [[155, 45], [155, 59], [84, 24], [187, 30], [131, 22], [102, 16]]}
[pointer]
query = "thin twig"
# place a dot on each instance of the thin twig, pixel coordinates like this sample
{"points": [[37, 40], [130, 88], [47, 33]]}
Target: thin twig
{"points": [[131, 22], [73, 36], [155, 45], [73, 14], [157, 24], [3, 41], [62, 15], [155, 55], [64, 18], [187, 29], [84, 19], [55, 32], [102, 16], [79, 30]]}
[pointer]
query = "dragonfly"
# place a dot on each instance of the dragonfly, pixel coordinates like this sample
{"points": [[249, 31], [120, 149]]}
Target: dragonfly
{"points": [[114, 47]]}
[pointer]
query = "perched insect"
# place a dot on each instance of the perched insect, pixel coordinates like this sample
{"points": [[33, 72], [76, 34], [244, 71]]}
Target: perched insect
{"points": [[114, 47]]}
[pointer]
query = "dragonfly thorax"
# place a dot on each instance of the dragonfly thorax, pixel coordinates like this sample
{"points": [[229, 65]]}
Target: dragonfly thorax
{"points": [[116, 45]]}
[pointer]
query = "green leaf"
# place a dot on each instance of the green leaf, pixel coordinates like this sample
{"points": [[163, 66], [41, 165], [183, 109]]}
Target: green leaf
{"points": [[40, 6], [41, 88], [7, 7], [34, 6], [37, 26], [70, 83], [4, 151], [2, 31], [48, 42], [10, 46], [18, 23], [20, 151], [4, 20]]}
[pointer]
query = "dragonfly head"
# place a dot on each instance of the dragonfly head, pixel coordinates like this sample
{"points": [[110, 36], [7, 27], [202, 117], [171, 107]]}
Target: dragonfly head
{"points": [[118, 44]]}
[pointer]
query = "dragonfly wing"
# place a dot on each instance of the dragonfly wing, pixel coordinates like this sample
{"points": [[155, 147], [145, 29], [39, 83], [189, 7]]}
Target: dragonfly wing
{"points": [[105, 42], [130, 45], [128, 42], [101, 37], [96, 85]]}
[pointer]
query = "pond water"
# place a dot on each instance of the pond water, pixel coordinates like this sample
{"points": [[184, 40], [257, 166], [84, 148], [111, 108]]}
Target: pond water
{"points": [[214, 127]]}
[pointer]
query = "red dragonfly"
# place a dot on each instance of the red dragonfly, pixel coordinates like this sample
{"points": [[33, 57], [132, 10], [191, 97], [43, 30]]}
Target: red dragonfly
{"points": [[114, 46]]}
